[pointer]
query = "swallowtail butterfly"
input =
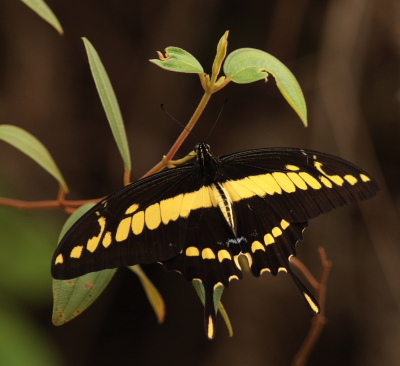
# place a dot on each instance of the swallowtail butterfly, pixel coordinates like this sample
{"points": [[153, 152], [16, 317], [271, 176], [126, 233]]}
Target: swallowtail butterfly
{"points": [[200, 217]]}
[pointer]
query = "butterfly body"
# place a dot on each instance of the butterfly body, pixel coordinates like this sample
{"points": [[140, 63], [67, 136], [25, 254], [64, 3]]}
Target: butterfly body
{"points": [[200, 217]]}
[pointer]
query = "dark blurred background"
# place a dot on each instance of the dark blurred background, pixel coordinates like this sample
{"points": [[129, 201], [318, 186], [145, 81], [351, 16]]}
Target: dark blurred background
{"points": [[346, 56]]}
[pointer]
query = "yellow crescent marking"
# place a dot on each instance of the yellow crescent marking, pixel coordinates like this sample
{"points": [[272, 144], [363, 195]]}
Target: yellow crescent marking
{"points": [[284, 224], [207, 253], [236, 260], [276, 231], [268, 239], [283, 180], [152, 216], [123, 229], [310, 180], [282, 269], [76, 252], [107, 240], [138, 222], [257, 246], [59, 259], [93, 242], [224, 254], [249, 258], [299, 182], [131, 209], [364, 178], [265, 270], [233, 277], [192, 252], [351, 179]]}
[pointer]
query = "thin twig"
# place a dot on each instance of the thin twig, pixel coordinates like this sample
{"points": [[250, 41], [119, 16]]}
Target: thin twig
{"points": [[319, 320]]}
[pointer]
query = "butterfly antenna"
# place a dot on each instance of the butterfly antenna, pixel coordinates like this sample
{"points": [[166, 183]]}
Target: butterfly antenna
{"points": [[219, 115], [179, 123]]}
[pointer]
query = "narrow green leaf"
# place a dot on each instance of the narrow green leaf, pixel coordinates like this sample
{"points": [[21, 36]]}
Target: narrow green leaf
{"points": [[31, 146], [42, 9], [152, 293], [247, 65], [199, 287], [109, 101], [72, 297], [179, 60]]}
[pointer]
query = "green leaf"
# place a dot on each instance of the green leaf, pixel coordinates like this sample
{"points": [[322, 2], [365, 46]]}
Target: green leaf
{"points": [[152, 293], [31, 146], [247, 65], [72, 297], [199, 287], [41, 9], [109, 101], [179, 60]]}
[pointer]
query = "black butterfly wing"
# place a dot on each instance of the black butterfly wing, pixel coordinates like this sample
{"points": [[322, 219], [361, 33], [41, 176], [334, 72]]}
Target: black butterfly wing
{"points": [[298, 184], [142, 223]]}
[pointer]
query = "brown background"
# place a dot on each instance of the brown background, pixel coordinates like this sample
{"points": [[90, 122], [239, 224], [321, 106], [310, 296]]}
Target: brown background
{"points": [[345, 54]]}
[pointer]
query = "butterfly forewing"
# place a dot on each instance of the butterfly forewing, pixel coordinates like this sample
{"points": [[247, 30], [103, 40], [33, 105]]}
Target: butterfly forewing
{"points": [[141, 223]]}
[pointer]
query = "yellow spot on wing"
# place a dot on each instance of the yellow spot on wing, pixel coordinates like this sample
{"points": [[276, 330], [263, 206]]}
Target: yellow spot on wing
{"points": [[123, 229], [224, 254], [312, 304], [285, 183], [364, 178], [351, 179], [297, 180], [76, 252], [93, 242], [268, 239], [131, 209], [210, 328], [207, 253], [326, 181], [152, 216], [138, 222], [334, 178], [276, 231], [291, 167], [59, 259], [187, 203], [257, 246], [192, 252], [284, 224], [170, 208], [107, 240], [310, 180]]}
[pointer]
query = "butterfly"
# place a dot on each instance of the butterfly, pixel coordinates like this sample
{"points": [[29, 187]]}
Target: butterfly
{"points": [[198, 218]]}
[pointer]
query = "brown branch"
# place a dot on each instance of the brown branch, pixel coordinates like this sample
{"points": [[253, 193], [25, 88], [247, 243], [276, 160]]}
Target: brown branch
{"points": [[318, 322]]}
